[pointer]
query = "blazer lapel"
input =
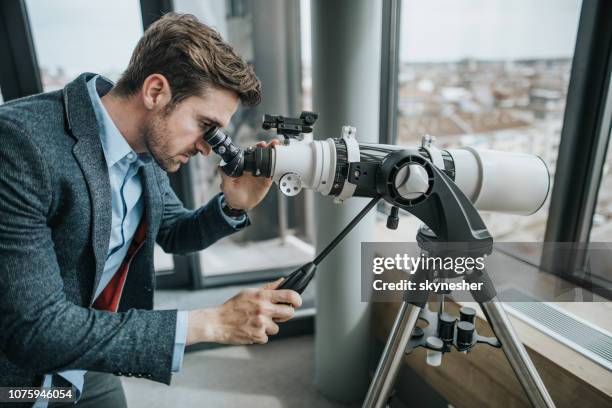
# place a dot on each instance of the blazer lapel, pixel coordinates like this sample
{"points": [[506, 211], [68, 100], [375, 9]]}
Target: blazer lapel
{"points": [[153, 203], [88, 152]]}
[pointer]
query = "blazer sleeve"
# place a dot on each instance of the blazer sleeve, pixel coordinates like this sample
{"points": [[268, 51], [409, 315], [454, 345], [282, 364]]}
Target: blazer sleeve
{"points": [[40, 330], [182, 230]]}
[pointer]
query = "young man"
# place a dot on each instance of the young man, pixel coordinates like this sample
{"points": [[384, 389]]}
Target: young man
{"points": [[84, 196]]}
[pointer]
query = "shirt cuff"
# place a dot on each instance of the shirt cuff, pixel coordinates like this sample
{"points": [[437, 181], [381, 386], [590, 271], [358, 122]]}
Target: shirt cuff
{"points": [[180, 339], [234, 222], [75, 377]]}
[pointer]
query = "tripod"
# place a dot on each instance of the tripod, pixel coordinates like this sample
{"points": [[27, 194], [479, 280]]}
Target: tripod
{"points": [[450, 217], [441, 334]]}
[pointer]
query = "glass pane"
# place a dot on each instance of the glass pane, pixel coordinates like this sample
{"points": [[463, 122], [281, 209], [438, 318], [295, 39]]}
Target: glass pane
{"points": [[488, 74], [275, 241], [236, 30], [306, 38], [601, 230], [72, 37]]}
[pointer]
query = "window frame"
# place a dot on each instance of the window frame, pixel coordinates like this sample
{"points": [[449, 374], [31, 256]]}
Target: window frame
{"points": [[582, 149], [389, 71], [19, 73]]}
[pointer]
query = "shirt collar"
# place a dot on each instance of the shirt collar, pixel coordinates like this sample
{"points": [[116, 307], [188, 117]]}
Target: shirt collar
{"points": [[114, 145]]}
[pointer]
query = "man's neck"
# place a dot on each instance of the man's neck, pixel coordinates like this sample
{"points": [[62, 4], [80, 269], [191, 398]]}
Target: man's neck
{"points": [[128, 116]]}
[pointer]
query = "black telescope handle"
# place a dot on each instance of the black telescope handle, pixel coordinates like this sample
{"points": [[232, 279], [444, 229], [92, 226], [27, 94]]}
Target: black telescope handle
{"points": [[299, 279]]}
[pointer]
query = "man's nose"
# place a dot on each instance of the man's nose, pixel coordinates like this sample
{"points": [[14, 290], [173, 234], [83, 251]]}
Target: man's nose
{"points": [[203, 147]]}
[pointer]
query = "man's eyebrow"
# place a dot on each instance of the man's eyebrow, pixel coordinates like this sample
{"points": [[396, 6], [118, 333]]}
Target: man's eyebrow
{"points": [[213, 121]]}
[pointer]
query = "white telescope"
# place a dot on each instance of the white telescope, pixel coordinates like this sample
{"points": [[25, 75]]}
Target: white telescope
{"points": [[514, 183]]}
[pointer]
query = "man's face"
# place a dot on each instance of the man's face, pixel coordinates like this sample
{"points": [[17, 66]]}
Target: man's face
{"points": [[172, 138]]}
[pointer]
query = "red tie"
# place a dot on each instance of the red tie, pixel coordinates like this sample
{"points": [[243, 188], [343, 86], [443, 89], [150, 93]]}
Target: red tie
{"points": [[110, 296]]}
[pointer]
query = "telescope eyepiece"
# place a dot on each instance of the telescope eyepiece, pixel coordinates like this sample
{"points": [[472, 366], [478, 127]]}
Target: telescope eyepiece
{"points": [[257, 160], [232, 155]]}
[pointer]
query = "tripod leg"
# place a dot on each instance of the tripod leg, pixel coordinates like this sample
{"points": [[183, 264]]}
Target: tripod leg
{"points": [[390, 361], [517, 355]]}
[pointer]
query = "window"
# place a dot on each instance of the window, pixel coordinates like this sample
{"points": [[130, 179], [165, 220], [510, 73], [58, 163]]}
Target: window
{"points": [[237, 30], [73, 36], [278, 238], [489, 74], [601, 231], [306, 38]]}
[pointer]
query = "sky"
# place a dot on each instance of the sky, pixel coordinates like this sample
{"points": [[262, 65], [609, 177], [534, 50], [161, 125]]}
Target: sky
{"points": [[443, 30], [80, 36], [100, 35]]}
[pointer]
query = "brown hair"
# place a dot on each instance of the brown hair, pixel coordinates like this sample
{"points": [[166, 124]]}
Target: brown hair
{"points": [[191, 56]]}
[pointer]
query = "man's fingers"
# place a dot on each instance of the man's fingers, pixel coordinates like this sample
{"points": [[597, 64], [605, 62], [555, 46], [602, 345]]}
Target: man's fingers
{"points": [[282, 313], [273, 285], [286, 296], [272, 142], [272, 328]]}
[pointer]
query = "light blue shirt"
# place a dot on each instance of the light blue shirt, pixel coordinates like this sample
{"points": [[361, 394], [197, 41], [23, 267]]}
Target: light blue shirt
{"points": [[127, 209]]}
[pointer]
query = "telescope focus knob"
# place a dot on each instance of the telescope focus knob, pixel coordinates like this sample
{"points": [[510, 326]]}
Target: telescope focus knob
{"points": [[467, 314], [465, 334], [446, 327], [412, 181]]}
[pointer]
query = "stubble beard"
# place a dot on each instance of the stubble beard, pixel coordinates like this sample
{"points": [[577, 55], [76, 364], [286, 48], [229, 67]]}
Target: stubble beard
{"points": [[153, 135]]}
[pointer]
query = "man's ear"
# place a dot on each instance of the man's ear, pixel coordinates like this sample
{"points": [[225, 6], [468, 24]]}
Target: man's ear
{"points": [[156, 93]]}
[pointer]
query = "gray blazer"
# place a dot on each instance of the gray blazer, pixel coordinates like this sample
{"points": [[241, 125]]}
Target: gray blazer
{"points": [[55, 220]]}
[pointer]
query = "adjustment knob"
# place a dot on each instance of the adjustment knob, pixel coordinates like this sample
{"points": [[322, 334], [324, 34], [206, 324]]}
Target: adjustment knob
{"points": [[290, 184], [434, 357], [411, 181], [465, 334], [393, 219], [467, 314], [446, 327], [417, 333]]}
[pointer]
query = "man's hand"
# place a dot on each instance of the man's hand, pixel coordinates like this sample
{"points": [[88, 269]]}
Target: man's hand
{"points": [[246, 191], [247, 318]]}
